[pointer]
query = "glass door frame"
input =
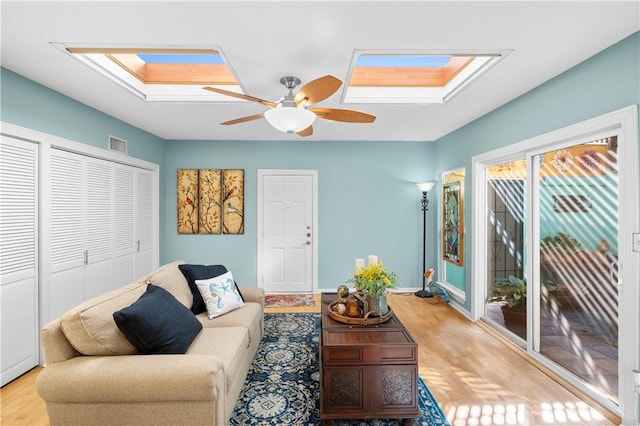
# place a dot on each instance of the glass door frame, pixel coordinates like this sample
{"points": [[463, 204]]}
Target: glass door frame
{"points": [[624, 124]]}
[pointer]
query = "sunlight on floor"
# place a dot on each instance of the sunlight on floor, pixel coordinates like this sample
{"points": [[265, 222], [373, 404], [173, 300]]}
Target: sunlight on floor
{"points": [[569, 412], [552, 413], [499, 414]]}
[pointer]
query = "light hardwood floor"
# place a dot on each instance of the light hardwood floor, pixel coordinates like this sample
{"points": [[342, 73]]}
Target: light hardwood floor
{"points": [[475, 378]]}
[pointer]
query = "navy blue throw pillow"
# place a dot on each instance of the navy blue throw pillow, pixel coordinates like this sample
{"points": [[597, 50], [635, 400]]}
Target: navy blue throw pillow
{"points": [[157, 323], [201, 272]]}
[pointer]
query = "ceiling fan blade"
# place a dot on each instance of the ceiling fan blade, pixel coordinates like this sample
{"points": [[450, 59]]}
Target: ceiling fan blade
{"points": [[243, 119], [346, 115], [240, 96], [317, 90], [306, 132]]}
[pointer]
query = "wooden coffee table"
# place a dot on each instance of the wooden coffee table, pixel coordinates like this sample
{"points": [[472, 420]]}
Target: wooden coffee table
{"points": [[367, 371]]}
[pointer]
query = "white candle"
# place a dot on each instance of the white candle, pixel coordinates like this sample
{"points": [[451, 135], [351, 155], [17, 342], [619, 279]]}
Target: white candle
{"points": [[359, 264], [373, 259]]}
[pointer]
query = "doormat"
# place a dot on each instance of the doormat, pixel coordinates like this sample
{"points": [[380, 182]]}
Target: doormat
{"points": [[288, 300]]}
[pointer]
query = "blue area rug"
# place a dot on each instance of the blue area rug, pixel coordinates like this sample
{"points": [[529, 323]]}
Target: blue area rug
{"points": [[282, 387]]}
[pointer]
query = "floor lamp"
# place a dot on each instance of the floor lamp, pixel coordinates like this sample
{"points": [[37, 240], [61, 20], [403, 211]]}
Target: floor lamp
{"points": [[424, 187]]}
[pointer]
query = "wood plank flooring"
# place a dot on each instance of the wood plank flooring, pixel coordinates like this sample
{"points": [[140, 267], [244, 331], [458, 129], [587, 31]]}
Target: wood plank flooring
{"points": [[475, 378]]}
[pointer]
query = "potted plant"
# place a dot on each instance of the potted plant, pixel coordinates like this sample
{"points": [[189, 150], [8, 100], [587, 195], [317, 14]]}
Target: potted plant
{"points": [[373, 282], [511, 292], [559, 247]]}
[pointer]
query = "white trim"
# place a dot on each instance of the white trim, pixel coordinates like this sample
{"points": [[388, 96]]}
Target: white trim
{"points": [[456, 294], [72, 146], [459, 295], [624, 122], [261, 173]]}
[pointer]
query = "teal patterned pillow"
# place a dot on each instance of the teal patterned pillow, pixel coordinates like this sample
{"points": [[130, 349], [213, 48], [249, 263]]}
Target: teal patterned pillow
{"points": [[220, 295]]}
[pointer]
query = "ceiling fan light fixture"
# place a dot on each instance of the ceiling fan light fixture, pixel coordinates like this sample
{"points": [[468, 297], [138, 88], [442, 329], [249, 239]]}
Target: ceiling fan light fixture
{"points": [[290, 119]]}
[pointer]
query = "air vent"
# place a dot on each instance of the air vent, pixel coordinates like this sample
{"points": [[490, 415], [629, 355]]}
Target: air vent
{"points": [[117, 144]]}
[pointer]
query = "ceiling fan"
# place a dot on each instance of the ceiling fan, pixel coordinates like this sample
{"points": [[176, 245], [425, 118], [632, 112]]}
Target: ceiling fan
{"points": [[291, 113]]}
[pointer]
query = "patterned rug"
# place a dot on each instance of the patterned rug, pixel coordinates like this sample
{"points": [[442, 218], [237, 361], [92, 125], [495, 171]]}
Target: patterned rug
{"points": [[282, 387], [288, 300]]}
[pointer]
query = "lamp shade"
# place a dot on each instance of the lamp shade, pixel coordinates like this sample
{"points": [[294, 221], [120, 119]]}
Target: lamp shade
{"points": [[290, 119], [425, 186]]}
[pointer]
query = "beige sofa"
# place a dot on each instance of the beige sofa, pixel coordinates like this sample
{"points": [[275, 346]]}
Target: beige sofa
{"points": [[94, 376]]}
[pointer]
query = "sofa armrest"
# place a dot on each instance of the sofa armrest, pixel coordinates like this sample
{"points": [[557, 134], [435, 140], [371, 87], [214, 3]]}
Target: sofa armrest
{"points": [[253, 294], [132, 378], [55, 345]]}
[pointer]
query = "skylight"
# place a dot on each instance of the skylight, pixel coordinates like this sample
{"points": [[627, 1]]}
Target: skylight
{"points": [[162, 74], [414, 77]]}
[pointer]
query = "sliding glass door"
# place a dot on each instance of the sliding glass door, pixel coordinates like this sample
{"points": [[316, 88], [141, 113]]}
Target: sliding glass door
{"points": [[557, 253], [506, 303], [577, 193]]}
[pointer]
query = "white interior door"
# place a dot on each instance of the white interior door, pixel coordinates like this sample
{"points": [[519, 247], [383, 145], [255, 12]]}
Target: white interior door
{"points": [[99, 228], [66, 228], [287, 247], [125, 243], [18, 257], [144, 223]]}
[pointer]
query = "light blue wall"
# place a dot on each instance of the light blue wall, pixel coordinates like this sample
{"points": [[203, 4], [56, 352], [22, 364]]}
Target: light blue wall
{"points": [[367, 203], [589, 226], [31, 105], [603, 83]]}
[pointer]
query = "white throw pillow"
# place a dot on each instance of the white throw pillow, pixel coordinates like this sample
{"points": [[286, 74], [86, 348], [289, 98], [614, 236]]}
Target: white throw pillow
{"points": [[220, 295]]}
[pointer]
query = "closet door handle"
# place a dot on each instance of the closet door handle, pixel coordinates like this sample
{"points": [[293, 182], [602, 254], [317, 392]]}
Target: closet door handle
{"points": [[138, 245], [86, 257]]}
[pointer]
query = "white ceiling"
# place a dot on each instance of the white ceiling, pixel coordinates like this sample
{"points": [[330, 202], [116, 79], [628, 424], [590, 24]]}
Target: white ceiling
{"points": [[265, 40]]}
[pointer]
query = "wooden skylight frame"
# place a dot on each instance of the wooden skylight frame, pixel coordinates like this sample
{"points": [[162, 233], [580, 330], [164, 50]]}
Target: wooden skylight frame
{"points": [[161, 81], [411, 84], [165, 73]]}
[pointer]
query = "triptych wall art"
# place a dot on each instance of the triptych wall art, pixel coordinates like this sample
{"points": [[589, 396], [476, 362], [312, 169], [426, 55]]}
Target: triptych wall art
{"points": [[210, 201]]}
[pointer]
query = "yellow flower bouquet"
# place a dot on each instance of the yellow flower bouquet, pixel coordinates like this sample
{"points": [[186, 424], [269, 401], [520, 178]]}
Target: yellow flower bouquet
{"points": [[374, 280]]}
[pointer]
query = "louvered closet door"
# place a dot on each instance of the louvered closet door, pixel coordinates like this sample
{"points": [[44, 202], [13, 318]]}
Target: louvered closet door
{"points": [[67, 233], [144, 223], [18, 257], [99, 228], [124, 237]]}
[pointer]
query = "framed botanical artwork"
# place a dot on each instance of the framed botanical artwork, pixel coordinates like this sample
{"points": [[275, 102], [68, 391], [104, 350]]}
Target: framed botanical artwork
{"points": [[187, 184], [210, 201], [233, 201], [453, 223]]}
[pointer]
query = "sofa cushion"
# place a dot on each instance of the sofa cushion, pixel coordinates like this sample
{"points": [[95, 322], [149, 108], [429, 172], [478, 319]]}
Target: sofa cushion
{"points": [[200, 272], [220, 295], [90, 327], [229, 344], [157, 323], [171, 279], [249, 317]]}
